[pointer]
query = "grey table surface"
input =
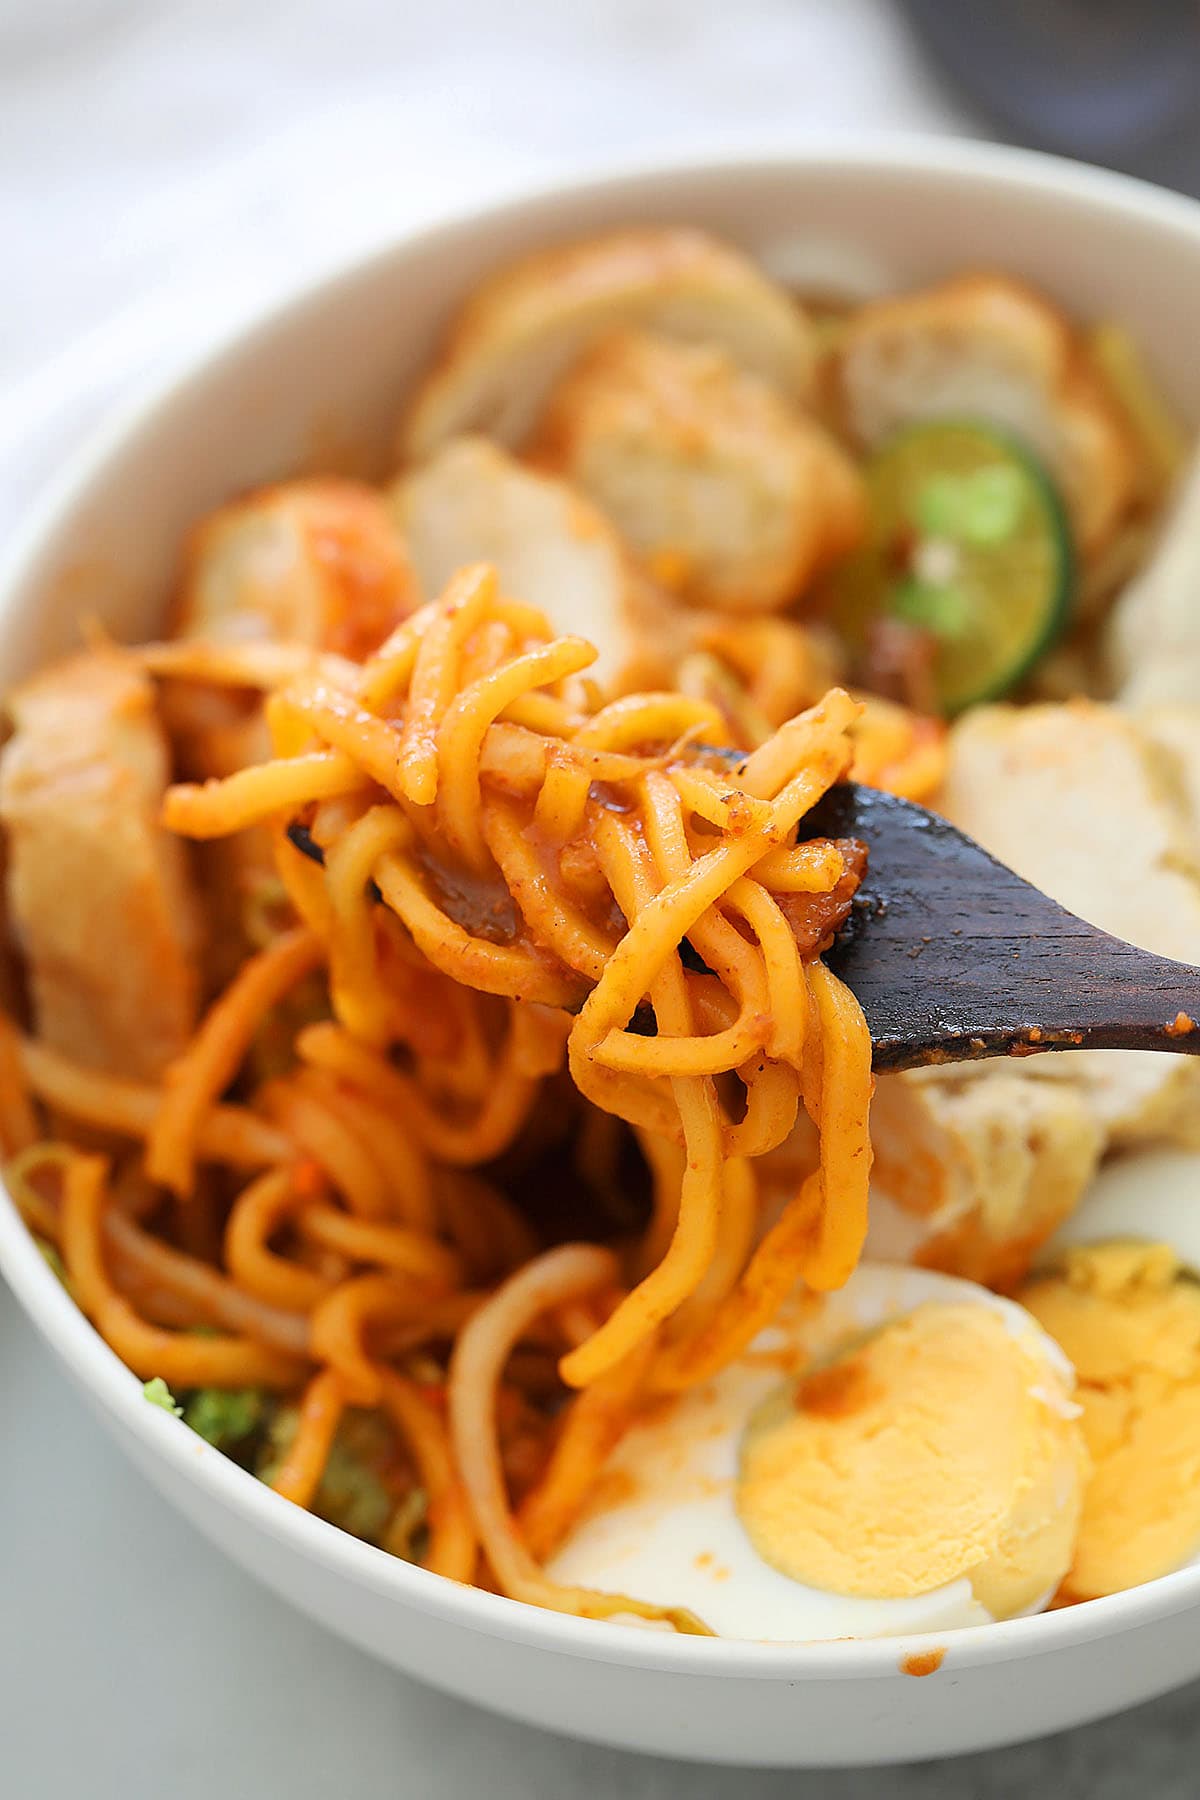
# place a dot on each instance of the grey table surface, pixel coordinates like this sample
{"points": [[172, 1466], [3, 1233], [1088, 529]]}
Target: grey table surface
{"points": [[135, 1661]]}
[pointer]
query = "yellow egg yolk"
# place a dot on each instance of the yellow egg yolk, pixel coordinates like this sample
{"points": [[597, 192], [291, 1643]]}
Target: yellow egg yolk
{"points": [[944, 1445], [1130, 1322]]}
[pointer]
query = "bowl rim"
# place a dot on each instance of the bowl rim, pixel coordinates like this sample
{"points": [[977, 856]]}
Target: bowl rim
{"points": [[100, 1372]]}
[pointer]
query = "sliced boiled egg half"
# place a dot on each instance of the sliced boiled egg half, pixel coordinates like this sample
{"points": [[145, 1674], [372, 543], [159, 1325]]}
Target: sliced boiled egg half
{"points": [[1119, 1293], [903, 1455]]}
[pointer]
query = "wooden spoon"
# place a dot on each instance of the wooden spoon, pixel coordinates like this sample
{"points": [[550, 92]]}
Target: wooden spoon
{"points": [[953, 957]]}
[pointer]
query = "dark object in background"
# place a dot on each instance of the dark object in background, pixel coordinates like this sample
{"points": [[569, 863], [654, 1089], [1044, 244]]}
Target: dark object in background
{"points": [[1109, 81]]}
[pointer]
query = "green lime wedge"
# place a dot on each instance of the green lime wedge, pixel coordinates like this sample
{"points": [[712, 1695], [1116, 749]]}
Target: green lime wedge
{"points": [[968, 541]]}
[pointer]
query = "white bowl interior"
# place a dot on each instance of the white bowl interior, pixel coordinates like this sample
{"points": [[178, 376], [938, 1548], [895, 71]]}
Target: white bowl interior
{"points": [[321, 380]]}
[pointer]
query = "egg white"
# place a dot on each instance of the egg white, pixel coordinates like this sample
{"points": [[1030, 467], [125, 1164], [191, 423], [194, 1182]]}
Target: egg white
{"points": [[1154, 1194], [668, 1530]]}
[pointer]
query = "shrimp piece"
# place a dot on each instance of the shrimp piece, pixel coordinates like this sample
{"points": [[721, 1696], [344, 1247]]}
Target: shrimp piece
{"points": [[313, 562]]}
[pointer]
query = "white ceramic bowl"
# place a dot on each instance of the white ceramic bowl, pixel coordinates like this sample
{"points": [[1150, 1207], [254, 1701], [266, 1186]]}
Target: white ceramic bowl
{"points": [[332, 364]]}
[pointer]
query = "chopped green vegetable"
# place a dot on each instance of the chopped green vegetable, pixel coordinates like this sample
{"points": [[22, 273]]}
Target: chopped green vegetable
{"points": [[55, 1261], [273, 1050], [225, 1417], [265, 911], [967, 540], [159, 1394], [406, 1530], [353, 1492]]}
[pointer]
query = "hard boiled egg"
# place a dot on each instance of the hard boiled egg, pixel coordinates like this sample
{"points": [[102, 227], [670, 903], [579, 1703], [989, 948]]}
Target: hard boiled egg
{"points": [[1120, 1295], [903, 1455]]}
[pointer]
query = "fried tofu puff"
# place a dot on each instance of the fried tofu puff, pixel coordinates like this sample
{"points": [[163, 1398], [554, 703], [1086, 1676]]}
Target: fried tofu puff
{"points": [[529, 323], [988, 347], [731, 497], [98, 893]]}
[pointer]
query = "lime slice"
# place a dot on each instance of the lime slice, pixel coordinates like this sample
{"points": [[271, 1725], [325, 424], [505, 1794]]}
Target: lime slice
{"points": [[968, 541]]}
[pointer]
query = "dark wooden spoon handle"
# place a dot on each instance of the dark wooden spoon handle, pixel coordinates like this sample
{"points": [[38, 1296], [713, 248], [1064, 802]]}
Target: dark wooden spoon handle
{"points": [[952, 956]]}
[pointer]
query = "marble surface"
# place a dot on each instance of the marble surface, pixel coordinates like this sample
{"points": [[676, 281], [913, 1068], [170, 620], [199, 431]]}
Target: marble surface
{"points": [[137, 1664], [163, 169]]}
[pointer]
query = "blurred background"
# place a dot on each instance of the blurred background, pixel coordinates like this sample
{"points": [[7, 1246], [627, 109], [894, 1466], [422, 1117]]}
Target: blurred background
{"points": [[167, 165]]}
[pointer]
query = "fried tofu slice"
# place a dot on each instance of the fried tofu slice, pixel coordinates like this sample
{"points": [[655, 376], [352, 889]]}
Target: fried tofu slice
{"points": [[1154, 632], [730, 496], [313, 562], [98, 893], [472, 502], [525, 326], [988, 347]]}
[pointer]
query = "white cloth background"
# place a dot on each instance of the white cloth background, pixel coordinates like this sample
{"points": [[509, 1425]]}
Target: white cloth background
{"points": [[165, 168]]}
